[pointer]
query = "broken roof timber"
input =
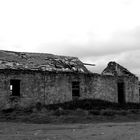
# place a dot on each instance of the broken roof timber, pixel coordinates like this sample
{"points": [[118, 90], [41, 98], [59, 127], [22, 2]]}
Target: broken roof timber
{"points": [[89, 64]]}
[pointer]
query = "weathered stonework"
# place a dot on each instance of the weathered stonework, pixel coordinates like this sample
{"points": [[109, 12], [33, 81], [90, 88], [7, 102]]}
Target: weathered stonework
{"points": [[121, 74], [51, 87], [55, 86], [131, 89]]}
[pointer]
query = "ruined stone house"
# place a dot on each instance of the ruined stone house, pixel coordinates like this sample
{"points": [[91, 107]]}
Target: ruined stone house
{"points": [[48, 79], [127, 82]]}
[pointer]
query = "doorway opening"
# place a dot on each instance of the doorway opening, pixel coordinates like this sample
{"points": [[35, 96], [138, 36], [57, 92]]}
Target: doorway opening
{"points": [[75, 90], [121, 93], [15, 87]]}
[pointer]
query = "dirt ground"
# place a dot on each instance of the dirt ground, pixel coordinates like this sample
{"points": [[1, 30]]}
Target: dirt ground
{"points": [[100, 131]]}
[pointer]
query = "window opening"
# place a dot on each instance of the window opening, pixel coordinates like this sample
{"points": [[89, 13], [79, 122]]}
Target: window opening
{"points": [[75, 90], [15, 87]]}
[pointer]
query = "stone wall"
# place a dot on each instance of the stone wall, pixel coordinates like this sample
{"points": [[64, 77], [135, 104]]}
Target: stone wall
{"points": [[41, 87], [131, 89], [51, 87], [99, 87], [31, 86]]}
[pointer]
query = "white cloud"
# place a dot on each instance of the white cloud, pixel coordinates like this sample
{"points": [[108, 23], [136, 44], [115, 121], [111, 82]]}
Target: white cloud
{"points": [[94, 30]]}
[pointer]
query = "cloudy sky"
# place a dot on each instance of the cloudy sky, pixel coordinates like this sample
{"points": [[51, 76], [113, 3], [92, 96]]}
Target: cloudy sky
{"points": [[96, 31]]}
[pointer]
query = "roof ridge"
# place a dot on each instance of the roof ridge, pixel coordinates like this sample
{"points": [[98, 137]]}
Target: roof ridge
{"points": [[7, 51]]}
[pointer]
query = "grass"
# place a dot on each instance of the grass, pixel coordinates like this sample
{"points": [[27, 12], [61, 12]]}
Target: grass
{"points": [[80, 111], [88, 104]]}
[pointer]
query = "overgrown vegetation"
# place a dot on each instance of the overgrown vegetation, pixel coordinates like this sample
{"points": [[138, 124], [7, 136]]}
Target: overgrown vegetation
{"points": [[80, 111], [89, 104]]}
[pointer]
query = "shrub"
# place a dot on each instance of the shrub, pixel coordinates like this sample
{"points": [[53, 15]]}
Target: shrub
{"points": [[108, 112], [122, 112], [95, 112], [91, 104], [60, 111], [38, 106], [9, 110], [134, 111]]}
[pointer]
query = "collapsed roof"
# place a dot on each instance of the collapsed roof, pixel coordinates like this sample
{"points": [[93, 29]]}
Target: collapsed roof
{"points": [[40, 61], [115, 69]]}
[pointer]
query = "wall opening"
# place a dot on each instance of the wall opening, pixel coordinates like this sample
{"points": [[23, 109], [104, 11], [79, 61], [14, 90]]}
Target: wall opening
{"points": [[121, 93], [15, 87], [75, 90]]}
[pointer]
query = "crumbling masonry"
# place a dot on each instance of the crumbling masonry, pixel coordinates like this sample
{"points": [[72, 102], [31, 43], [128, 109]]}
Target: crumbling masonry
{"points": [[29, 78]]}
